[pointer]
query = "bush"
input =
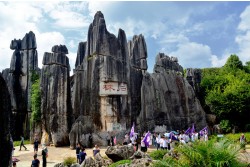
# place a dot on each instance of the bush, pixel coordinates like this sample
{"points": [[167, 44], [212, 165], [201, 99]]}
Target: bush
{"points": [[225, 126], [158, 154], [69, 161], [235, 137], [121, 162]]}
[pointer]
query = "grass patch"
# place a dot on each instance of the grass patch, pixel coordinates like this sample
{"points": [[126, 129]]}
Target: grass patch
{"points": [[17, 143], [121, 162], [235, 137], [158, 154], [68, 161]]}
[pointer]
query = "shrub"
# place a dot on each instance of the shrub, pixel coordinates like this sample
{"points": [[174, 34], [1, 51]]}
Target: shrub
{"points": [[235, 137], [225, 126], [158, 154], [247, 127], [121, 162], [68, 161]]}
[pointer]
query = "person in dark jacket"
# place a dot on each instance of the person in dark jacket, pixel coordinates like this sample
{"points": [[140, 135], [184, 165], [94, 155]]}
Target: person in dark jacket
{"points": [[35, 162]]}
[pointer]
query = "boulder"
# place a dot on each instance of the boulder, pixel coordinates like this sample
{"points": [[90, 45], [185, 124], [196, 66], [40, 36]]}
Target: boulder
{"points": [[5, 119], [139, 155], [55, 96], [88, 162], [143, 162], [75, 165], [117, 153]]}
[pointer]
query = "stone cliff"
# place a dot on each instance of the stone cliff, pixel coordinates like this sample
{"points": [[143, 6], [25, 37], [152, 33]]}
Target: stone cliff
{"points": [[5, 118], [55, 95], [168, 99], [99, 85], [110, 89], [23, 64]]}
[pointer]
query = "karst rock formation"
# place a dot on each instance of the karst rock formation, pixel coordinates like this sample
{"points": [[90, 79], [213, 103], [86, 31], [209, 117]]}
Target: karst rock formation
{"points": [[24, 63], [110, 88], [168, 99], [55, 95], [5, 119]]}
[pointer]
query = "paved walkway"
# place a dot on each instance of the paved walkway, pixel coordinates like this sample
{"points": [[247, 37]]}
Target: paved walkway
{"points": [[57, 154]]}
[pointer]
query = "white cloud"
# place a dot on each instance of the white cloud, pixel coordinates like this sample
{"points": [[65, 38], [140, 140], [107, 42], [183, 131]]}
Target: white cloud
{"points": [[245, 21], [69, 19], [243, 37], [191, 54], [45, 41]]}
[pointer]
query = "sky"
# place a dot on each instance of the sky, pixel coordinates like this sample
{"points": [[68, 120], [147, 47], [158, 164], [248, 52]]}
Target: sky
{"points": [[200, 34]]}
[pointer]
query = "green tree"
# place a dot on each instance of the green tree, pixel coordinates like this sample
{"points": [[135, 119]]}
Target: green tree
{"points": [[226, 92], [233, 62], [36, 102]]}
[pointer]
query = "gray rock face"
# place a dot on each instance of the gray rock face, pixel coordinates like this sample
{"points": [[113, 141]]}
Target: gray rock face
{"points": [[80, 53], [55, 95], [24, 62], [168, 99], [111, 88], [194, 79], [5, 113], [102, 78], [137, 65], [117, 153], [166, 63]]}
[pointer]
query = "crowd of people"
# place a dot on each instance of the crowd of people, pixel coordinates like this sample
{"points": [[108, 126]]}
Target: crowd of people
{"points": [[158, 140]]}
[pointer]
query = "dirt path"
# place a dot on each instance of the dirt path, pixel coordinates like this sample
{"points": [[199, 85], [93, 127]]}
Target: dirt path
{"points": [[55, 155]]}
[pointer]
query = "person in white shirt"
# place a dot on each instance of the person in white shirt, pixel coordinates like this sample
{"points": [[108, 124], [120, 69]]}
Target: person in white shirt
{"points": [[165, 143], [182, 141], [158, 141], [161, 142]]}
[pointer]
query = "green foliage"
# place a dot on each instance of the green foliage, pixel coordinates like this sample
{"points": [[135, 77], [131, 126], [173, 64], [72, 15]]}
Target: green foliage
{"points": [[226, 92], [68, 161], [17, 143], [36, 102], [206, 154], [158, 154], [233, 63], [247, 67], [121, 162], [34, 76], [225, 126], [235, 137]]}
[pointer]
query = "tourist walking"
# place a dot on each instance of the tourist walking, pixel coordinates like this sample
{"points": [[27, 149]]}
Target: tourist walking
{"points": [[96, 150], [44, 155], [35, 162], [82, 155], [78, 148], [36, 143], [243, 141], [22, 143]]}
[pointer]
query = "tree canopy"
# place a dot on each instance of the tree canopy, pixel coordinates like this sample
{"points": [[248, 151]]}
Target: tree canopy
{"points": [[226, 92]]}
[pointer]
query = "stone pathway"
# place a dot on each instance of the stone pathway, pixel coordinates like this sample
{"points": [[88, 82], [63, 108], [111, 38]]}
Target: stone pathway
{"points": [[55, 155]]}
